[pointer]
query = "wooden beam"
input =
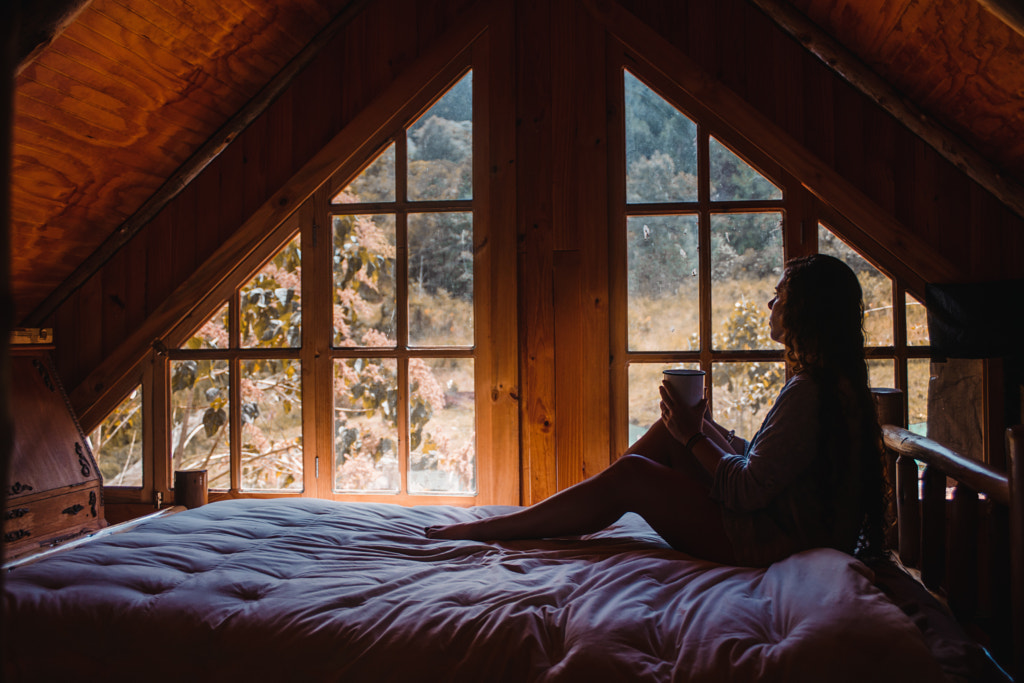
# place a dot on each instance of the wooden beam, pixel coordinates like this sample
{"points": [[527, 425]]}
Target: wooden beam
{"points": [[192, 167], [40, 22], [850, 68], [8, 29], [1010, 12]]}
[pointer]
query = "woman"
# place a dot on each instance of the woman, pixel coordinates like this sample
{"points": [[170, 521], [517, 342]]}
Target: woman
{"points": [[811, 477]]}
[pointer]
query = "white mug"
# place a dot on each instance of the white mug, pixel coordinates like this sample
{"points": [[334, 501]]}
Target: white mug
{"points": [[687, 385]]}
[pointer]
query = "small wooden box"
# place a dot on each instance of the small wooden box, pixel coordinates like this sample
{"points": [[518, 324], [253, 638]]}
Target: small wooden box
{"points": [[55, 490]]}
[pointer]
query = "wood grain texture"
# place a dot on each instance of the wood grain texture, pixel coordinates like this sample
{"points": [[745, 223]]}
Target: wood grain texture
{"points": [[828, 135], [956, 60], [87, 156], [535, 229], [261, 157], [118, 101]]}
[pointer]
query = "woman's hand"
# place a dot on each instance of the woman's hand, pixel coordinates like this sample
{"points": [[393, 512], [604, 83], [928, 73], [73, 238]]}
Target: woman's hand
{"points": [[681, 420]]}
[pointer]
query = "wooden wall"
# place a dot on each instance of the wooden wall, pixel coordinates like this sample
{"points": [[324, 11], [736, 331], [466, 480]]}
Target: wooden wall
{"points": [[839, 126], [562, 190]]}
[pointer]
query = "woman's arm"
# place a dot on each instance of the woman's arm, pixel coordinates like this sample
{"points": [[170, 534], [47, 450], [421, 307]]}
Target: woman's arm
{"points": [[725, 438], [784, 447]]}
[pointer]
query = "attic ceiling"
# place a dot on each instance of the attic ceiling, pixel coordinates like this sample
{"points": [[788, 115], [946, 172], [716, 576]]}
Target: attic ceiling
{"points": [[129, 91]]}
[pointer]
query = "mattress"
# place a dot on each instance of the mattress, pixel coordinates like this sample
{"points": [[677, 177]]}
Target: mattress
{"points": [[312, 590]]}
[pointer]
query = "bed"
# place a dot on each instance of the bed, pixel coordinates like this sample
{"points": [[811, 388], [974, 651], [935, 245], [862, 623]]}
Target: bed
{"points": [[311, 590]]}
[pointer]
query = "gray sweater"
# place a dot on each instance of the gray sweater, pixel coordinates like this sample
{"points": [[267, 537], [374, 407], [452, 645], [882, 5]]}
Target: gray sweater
{"points": [[775, 501]]}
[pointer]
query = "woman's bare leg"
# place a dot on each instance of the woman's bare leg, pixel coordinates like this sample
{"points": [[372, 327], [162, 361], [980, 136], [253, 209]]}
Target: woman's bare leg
{"points": [[673, 503], [660, 446]]}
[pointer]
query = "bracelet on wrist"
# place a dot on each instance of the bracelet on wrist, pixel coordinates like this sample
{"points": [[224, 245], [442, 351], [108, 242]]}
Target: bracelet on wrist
{"points": [[694, 439]]}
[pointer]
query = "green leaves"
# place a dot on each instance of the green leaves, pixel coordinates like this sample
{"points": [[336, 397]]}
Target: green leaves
{"points": [[213, 419]]}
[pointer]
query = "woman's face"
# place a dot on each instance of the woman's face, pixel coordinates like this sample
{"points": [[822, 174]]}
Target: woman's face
{"points": [[775, 322]]}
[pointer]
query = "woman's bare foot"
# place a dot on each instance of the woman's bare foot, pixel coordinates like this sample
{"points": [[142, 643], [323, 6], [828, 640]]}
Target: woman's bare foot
{"points": [[449, 531]]}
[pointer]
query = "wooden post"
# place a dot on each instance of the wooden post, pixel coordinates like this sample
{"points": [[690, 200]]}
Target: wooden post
{"points": [[890, 406], [909, 509], [1015, 451], [933, 527], [963, 555], [891, 409]]}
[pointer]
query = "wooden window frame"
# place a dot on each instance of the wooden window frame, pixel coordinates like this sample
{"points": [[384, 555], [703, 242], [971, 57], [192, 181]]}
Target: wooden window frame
{"points": [[487, 53], [801, 209]]}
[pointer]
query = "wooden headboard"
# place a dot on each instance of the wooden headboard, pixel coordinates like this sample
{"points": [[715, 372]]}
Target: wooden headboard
{"points": [[961, 526]]}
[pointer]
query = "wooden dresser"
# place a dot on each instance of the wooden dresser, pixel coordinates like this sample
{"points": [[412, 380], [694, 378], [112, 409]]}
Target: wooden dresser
{"points": [[55, 490]]}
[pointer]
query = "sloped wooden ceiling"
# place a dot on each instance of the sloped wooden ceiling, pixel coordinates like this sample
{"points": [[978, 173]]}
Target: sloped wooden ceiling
{"points": [[132, 90], [961, 63], [120, 99]]}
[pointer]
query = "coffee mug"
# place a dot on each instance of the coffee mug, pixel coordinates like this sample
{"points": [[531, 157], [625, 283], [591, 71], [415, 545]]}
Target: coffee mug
{"points": [[687, 385]]}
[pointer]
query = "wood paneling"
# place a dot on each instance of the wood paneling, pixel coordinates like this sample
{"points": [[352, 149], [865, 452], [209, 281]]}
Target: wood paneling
{"points": [[914, 208], [237, 183], [121, 99], [534, 180], [843, 129], [956, 60]]}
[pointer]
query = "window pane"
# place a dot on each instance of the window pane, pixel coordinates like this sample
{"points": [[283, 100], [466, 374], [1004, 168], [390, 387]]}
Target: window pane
{"points": [[917, 323], [213, 334], [375, 184], [442, 426], [744, 392], [661, 148], [746, 258], [441, 279], [919, 379], [270, 303], [366, 425], [877, 288], [644, 399], [200, 431], [117, 443], [882, 373], [441, 147], [733, 179], [663, 299], [271, 404], [364, 281]]}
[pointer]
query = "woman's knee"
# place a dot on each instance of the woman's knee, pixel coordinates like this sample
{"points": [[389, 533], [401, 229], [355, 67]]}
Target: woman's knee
{"points": [[634, 468]]}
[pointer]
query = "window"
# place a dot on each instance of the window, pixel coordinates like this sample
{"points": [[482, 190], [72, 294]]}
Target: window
{"points": [[340, 357], [403, 317], [236, 385], [705, 241], [117, 443], [894, 359], [704, 251]]}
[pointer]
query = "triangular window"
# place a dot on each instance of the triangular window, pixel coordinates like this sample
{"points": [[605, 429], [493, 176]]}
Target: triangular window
{"points": [[117, 443], [359, 339]]}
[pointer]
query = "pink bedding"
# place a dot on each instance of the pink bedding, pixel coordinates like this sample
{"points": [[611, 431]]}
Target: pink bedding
{"points": [[309, 590]]}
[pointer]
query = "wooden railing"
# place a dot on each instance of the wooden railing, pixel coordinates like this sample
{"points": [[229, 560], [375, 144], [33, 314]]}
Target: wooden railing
{"points": [[948, 540]]}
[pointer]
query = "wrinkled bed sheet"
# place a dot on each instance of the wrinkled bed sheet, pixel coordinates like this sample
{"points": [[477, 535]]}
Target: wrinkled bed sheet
{"points": [[311, 590]]}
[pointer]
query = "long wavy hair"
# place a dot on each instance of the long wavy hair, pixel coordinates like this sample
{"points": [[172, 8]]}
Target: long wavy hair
{"points": [[822, 329]]}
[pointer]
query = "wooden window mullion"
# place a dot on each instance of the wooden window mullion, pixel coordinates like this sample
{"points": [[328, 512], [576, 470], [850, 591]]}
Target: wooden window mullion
{"points": [[704, 245]]}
